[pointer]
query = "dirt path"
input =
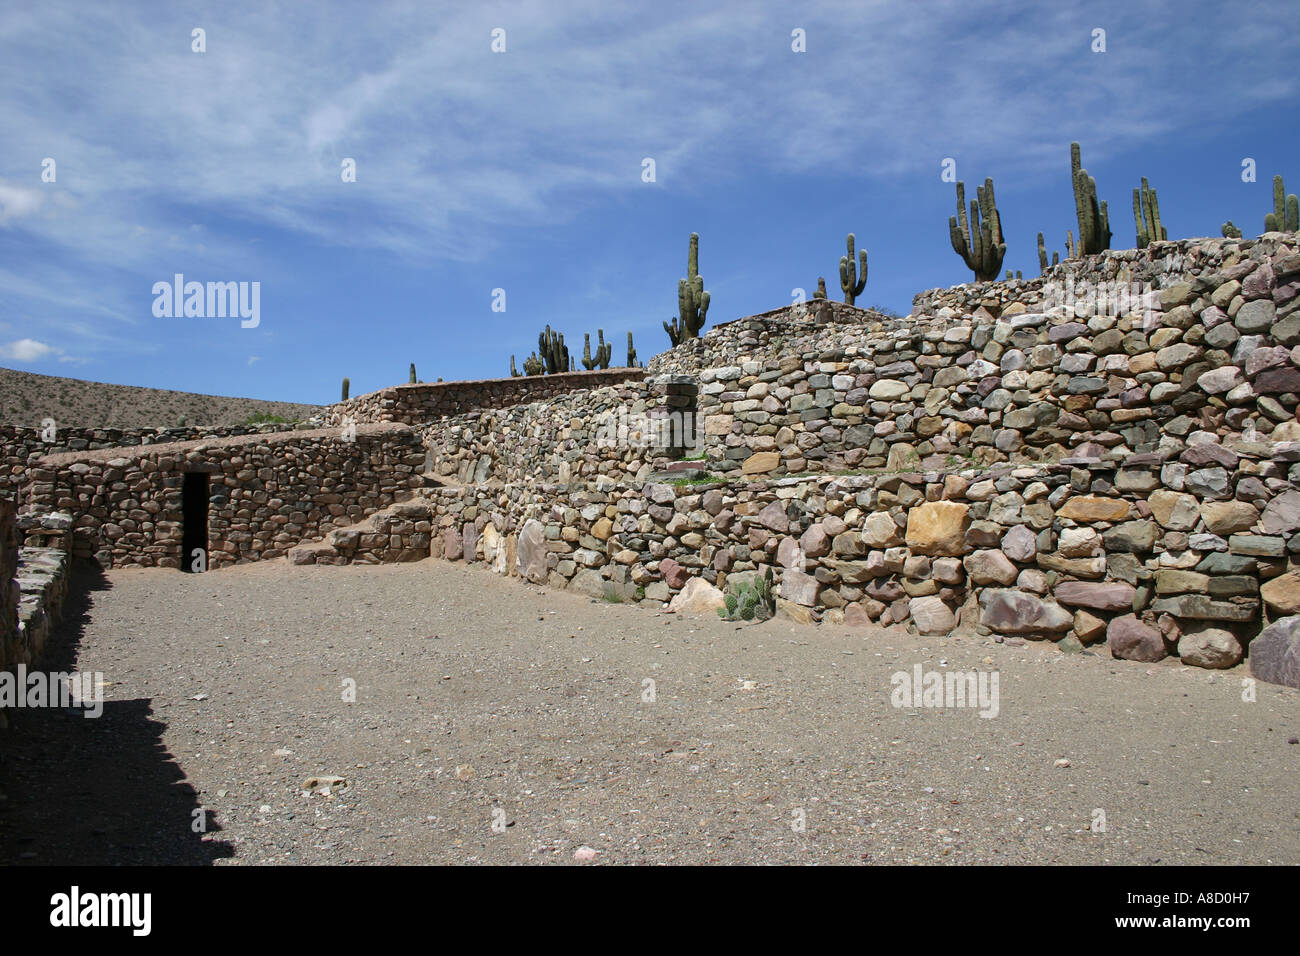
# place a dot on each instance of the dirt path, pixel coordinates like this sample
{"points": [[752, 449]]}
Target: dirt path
{"points": [[477, 694]]}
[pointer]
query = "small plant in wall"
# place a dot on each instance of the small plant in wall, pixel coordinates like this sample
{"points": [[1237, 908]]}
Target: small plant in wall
{"points": [[751, 600]]}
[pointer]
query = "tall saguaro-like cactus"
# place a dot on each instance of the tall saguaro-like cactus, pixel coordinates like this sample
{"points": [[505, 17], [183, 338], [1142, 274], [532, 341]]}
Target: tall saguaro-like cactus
{"points": [[692, 300], [554, 352], [1042, 256], [413, 379], [1146, 216], [850, 281], [1094, 220], [603, 351], [1285, 216], [978, 243], [631, 352], [347, 384]]}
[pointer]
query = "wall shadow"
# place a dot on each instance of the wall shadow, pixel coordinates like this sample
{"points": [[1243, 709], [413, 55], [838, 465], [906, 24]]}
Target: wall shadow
{"points": [[95, 792]]}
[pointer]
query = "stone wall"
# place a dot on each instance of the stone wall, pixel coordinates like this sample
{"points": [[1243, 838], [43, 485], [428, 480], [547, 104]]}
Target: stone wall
{"points": [[9, 593], [618, 432], [1118, 549], [266, 492], [20, 445], [427, 402], [33, 586], [1028, 459], [1016, 372]]}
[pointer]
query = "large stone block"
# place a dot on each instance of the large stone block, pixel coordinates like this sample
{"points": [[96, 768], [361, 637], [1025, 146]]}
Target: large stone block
{"points": [[1275, 653], [990, 567], [1090, 508], [932, 616], [1211, 647], [1131, 640], [799, 588], [1174, 510], [698, 598], [530, 553], [938, 528], [1014, 612], [1098, 595], [1282, 593]]}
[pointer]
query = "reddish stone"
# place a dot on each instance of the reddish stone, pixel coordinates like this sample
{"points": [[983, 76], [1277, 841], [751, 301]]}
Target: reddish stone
{"points": [[1098, 595], [1131, 640]]}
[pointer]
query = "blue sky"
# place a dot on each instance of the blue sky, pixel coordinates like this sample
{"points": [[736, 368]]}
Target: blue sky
{"points": [[522, 170]]}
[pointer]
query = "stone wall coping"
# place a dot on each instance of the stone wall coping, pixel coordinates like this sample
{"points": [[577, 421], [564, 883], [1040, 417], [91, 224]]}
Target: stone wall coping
{"points": [[616, 374], [138, 452]]}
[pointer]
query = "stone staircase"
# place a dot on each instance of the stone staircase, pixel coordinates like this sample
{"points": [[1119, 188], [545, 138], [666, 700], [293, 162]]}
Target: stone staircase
{"points": [[400, 532]]}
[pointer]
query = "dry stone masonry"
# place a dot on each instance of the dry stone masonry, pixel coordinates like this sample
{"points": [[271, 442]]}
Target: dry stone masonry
{"points": [[1105, 456], [266, 492]]}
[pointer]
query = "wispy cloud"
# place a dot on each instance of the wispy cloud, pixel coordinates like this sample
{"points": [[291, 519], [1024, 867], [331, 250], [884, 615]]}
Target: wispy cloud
{"points": [[175, 160]]}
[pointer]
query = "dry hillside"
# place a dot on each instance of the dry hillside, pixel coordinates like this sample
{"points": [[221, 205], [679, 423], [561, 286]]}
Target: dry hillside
{"points": [[26, 398]]}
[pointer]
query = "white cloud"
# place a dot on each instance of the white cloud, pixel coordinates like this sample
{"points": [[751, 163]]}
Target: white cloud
{"points": [[17, 202], [27, 350], [456, 146]]}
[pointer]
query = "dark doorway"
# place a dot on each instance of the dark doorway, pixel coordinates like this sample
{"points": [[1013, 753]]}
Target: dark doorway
{"points": [[194, 522]]}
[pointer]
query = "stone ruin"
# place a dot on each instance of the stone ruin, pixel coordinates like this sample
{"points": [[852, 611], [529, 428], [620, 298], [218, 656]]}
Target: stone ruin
{"points": [[1109, 452]]}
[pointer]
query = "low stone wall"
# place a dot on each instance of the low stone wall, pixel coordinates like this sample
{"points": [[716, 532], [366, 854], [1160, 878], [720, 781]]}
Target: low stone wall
{"points": [[1156, 553], [33, 587], [9, 589], [43, 583], [619, 432], [810, 328], [1114, 271], [21, 445], [266, 492], [428, 402]]}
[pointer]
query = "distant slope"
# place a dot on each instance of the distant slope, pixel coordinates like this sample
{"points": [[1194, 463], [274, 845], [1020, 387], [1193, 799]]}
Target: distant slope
{"points": [[26, 398]]}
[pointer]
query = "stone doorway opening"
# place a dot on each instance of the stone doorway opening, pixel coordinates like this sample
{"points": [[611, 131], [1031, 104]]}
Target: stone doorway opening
{"points": [[194, 522]]}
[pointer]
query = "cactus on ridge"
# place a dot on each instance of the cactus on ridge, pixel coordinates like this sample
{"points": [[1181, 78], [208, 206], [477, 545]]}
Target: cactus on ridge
{"points": [[850, 281], [1094, 220], [692, 300], [1146, 215], [978, 243], [1285, 216]]}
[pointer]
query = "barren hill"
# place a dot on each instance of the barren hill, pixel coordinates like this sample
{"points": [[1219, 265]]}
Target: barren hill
{"points": [[26, 398]]}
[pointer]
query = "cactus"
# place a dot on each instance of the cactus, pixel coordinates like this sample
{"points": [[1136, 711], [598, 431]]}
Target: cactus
{"points": [[1230, 231], [1042, 256], [413, 379], [821, 289], [1146, 215], [554, 352], [514, 372], [850, 282], [533, 365], [603, 351], [750, 601], [1094, 221], [692, 300], [1014, 275], [1070, 250], [1285, 216], [631, 352], [346, 385], [978, 243]]}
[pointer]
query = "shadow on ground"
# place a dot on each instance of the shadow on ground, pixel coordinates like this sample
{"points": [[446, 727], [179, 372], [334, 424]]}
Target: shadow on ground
{"points": [[101, 791]]}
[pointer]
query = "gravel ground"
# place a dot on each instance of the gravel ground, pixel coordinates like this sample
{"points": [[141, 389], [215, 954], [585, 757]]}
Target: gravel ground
{"points": [[482, 700]]}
